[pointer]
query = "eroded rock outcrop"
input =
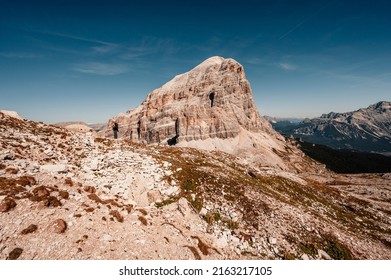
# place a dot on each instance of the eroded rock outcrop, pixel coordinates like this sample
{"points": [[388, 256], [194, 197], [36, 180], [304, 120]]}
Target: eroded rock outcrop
{"points": [[213, 100]]}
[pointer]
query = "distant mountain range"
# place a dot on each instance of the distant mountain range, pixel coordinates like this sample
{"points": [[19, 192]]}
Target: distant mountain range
{"points": [[367, 129], [82, 126]]}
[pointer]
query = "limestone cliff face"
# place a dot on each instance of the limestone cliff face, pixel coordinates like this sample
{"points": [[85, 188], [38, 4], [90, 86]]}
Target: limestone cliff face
{"points": [[213, 100]]}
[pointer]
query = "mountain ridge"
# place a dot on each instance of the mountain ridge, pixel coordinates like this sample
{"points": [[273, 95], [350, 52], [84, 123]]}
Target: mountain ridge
{"points": [[366, 129]]}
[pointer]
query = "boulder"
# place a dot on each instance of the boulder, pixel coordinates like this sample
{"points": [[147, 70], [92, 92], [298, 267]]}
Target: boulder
{"points": [[154, 196], [7, 155], [54, 168], [323, 255], [59, 226]]}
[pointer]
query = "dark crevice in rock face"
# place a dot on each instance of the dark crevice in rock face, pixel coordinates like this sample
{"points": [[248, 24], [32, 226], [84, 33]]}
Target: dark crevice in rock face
{"points": [[177, 128], [138, 130], [211, 97], [172, 141]]}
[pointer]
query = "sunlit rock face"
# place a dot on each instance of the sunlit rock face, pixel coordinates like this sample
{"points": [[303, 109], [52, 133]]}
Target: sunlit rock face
{"points": [[213, 100]]}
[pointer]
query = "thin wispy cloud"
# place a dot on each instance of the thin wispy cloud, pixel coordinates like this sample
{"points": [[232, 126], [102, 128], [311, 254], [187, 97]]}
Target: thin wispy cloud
{"points": [[131, 53], [145, 46], [104, 49], [293, 29], [287, 66], [99, 47], [101, 69], [270, 63], [73, 37], [303, 21], [255, 61], [149, 46]]}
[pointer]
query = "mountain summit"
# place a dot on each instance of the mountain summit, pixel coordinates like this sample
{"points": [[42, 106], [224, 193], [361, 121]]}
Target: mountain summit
{"points": [[210, 107], [367, 129], [213, 100]]}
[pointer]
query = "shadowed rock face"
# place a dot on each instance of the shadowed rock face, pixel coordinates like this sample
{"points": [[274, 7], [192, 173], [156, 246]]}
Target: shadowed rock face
{"points": [[213, 100]]}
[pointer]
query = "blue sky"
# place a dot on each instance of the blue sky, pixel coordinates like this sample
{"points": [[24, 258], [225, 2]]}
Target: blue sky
{"points": [[89, 60]]}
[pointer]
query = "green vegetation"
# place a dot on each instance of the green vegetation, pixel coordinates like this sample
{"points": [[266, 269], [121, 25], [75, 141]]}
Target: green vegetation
{"points": [[168, 201], [231, 224], [330, 244], [336, 249]]}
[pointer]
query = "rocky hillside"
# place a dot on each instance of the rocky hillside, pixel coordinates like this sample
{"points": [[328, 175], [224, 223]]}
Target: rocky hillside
{"points": [[68, 195], [367, 129], [210, 107]]}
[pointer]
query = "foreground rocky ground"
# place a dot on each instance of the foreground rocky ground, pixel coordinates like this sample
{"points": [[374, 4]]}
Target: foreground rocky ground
{"points": [[67, 195]]}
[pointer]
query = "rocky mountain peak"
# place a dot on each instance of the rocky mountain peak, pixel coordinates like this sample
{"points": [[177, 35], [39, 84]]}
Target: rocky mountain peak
{"points": [[366, 129], [213, 100], [382, 105]]}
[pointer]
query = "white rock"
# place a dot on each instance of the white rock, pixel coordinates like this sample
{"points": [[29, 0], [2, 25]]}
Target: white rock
{"points": [[170, 191], [49, 152], [221, 242], [227, 233], [272, 240], [107, 238], [7, 155], [243, 246], [203, 211], [323, 255], [305, 257], [154, 196], [184, 207], [235, 240], [54, 168], [33, 167], [94, 164]]}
